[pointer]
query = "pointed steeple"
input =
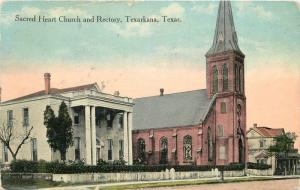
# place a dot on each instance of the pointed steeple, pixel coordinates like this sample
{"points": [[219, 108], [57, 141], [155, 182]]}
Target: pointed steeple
{"points": [[225, 38]]}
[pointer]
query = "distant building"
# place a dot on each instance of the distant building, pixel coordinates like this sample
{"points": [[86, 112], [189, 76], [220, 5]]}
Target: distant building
{"points": [[102, 123], [259, 140], [203, 127]]}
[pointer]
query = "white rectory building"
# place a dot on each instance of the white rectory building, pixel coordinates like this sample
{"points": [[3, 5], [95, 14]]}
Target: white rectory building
{"points": [[102, 123]]}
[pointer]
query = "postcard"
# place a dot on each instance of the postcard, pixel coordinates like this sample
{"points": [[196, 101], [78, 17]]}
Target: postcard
{"points": [[149, 94]]}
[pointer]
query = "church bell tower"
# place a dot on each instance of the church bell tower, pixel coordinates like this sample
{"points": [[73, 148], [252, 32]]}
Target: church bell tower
{"points": [[225, 82]]}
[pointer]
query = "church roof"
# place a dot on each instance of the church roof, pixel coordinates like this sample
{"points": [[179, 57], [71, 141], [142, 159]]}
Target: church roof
{"points": [[171, 110], [55, 91], [225, 38]]}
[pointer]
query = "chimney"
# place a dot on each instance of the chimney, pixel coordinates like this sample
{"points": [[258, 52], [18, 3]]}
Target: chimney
{"points": [[255, 125], [117, 93], [0, 94], [47, 77], [161, 91]]}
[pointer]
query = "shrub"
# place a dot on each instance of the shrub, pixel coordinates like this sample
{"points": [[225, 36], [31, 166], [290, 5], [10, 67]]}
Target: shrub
{"points": [[120, 162], [258, 166], [25, 166], [101, 162]]}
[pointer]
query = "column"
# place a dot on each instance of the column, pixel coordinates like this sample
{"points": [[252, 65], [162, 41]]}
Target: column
{"points": [[125, 138], [88, 145], [130, 138], [93, 135]]}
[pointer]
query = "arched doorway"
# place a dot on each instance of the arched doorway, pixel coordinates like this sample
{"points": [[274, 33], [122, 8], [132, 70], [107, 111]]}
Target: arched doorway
{"points": [[241, 150]]}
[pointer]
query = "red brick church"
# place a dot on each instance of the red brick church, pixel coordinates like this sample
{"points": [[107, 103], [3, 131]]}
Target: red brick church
{"points": [[202, 127]]}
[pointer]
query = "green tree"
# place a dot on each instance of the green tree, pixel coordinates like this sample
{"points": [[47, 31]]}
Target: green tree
{"points": [[284, 144], [59, 129]]}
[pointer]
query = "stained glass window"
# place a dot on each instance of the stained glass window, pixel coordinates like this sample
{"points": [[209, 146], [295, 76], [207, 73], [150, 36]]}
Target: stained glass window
{"points": [[225, 77], [187, 147], [141, 150], [163, 150]]}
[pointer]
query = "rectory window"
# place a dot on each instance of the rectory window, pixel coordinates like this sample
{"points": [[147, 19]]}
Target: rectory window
{"points": [[5, 153], [25, 117], [76, 118], [34, 155], [110, 149], [77, 148], [121, 149], [10, 118]]}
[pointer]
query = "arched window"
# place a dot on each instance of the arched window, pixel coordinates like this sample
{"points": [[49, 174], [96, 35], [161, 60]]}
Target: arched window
{"points": [[187, 147], [215, 79], [209, 144], [141, 150], [237, 78], [241, 79], [225, 77], [223, 107], [239, 110], [221, 130], [163, 150]]}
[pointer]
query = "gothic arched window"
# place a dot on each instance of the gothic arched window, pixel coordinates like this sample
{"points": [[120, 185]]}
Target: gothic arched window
{"points": [[239, 110], [241, 79], [221, 130], [215, 79], [187, 147], [223, 107], [141, 150], [237, 78], [209, 144], [163, 150], [225, 77]]}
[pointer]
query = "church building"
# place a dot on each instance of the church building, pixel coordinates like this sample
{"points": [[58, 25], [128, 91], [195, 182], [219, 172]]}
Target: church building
{"points": [[201, 127]]}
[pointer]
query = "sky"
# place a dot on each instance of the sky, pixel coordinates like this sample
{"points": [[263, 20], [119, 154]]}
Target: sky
{"points": [[138, 59]]}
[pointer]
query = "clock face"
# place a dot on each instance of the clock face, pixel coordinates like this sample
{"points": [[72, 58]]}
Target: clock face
{"points": [[238, 110]]}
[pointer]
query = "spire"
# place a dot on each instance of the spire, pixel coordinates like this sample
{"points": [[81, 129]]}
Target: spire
{"points": [[225, 36]]}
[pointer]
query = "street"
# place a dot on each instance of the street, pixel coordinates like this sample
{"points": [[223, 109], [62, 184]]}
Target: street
{"points": [[287, 184]]}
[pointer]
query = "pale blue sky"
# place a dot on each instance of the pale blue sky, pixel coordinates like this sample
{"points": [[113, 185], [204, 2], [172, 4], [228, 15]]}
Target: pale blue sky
{"points": [[265, 30]]}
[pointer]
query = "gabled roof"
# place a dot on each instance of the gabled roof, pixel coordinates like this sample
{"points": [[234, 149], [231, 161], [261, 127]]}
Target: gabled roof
{"points": [[225, 38], [268, 132], [56, 91], [261, 155], [171, 110]]}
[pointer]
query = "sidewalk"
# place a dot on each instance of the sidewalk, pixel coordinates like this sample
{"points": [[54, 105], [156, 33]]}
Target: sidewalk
{"points": [[208, 180]]}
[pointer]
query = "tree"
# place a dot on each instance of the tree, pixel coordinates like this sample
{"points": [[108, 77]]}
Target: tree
{"points": [[283, 144], [59, 129], [10, 135]]}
